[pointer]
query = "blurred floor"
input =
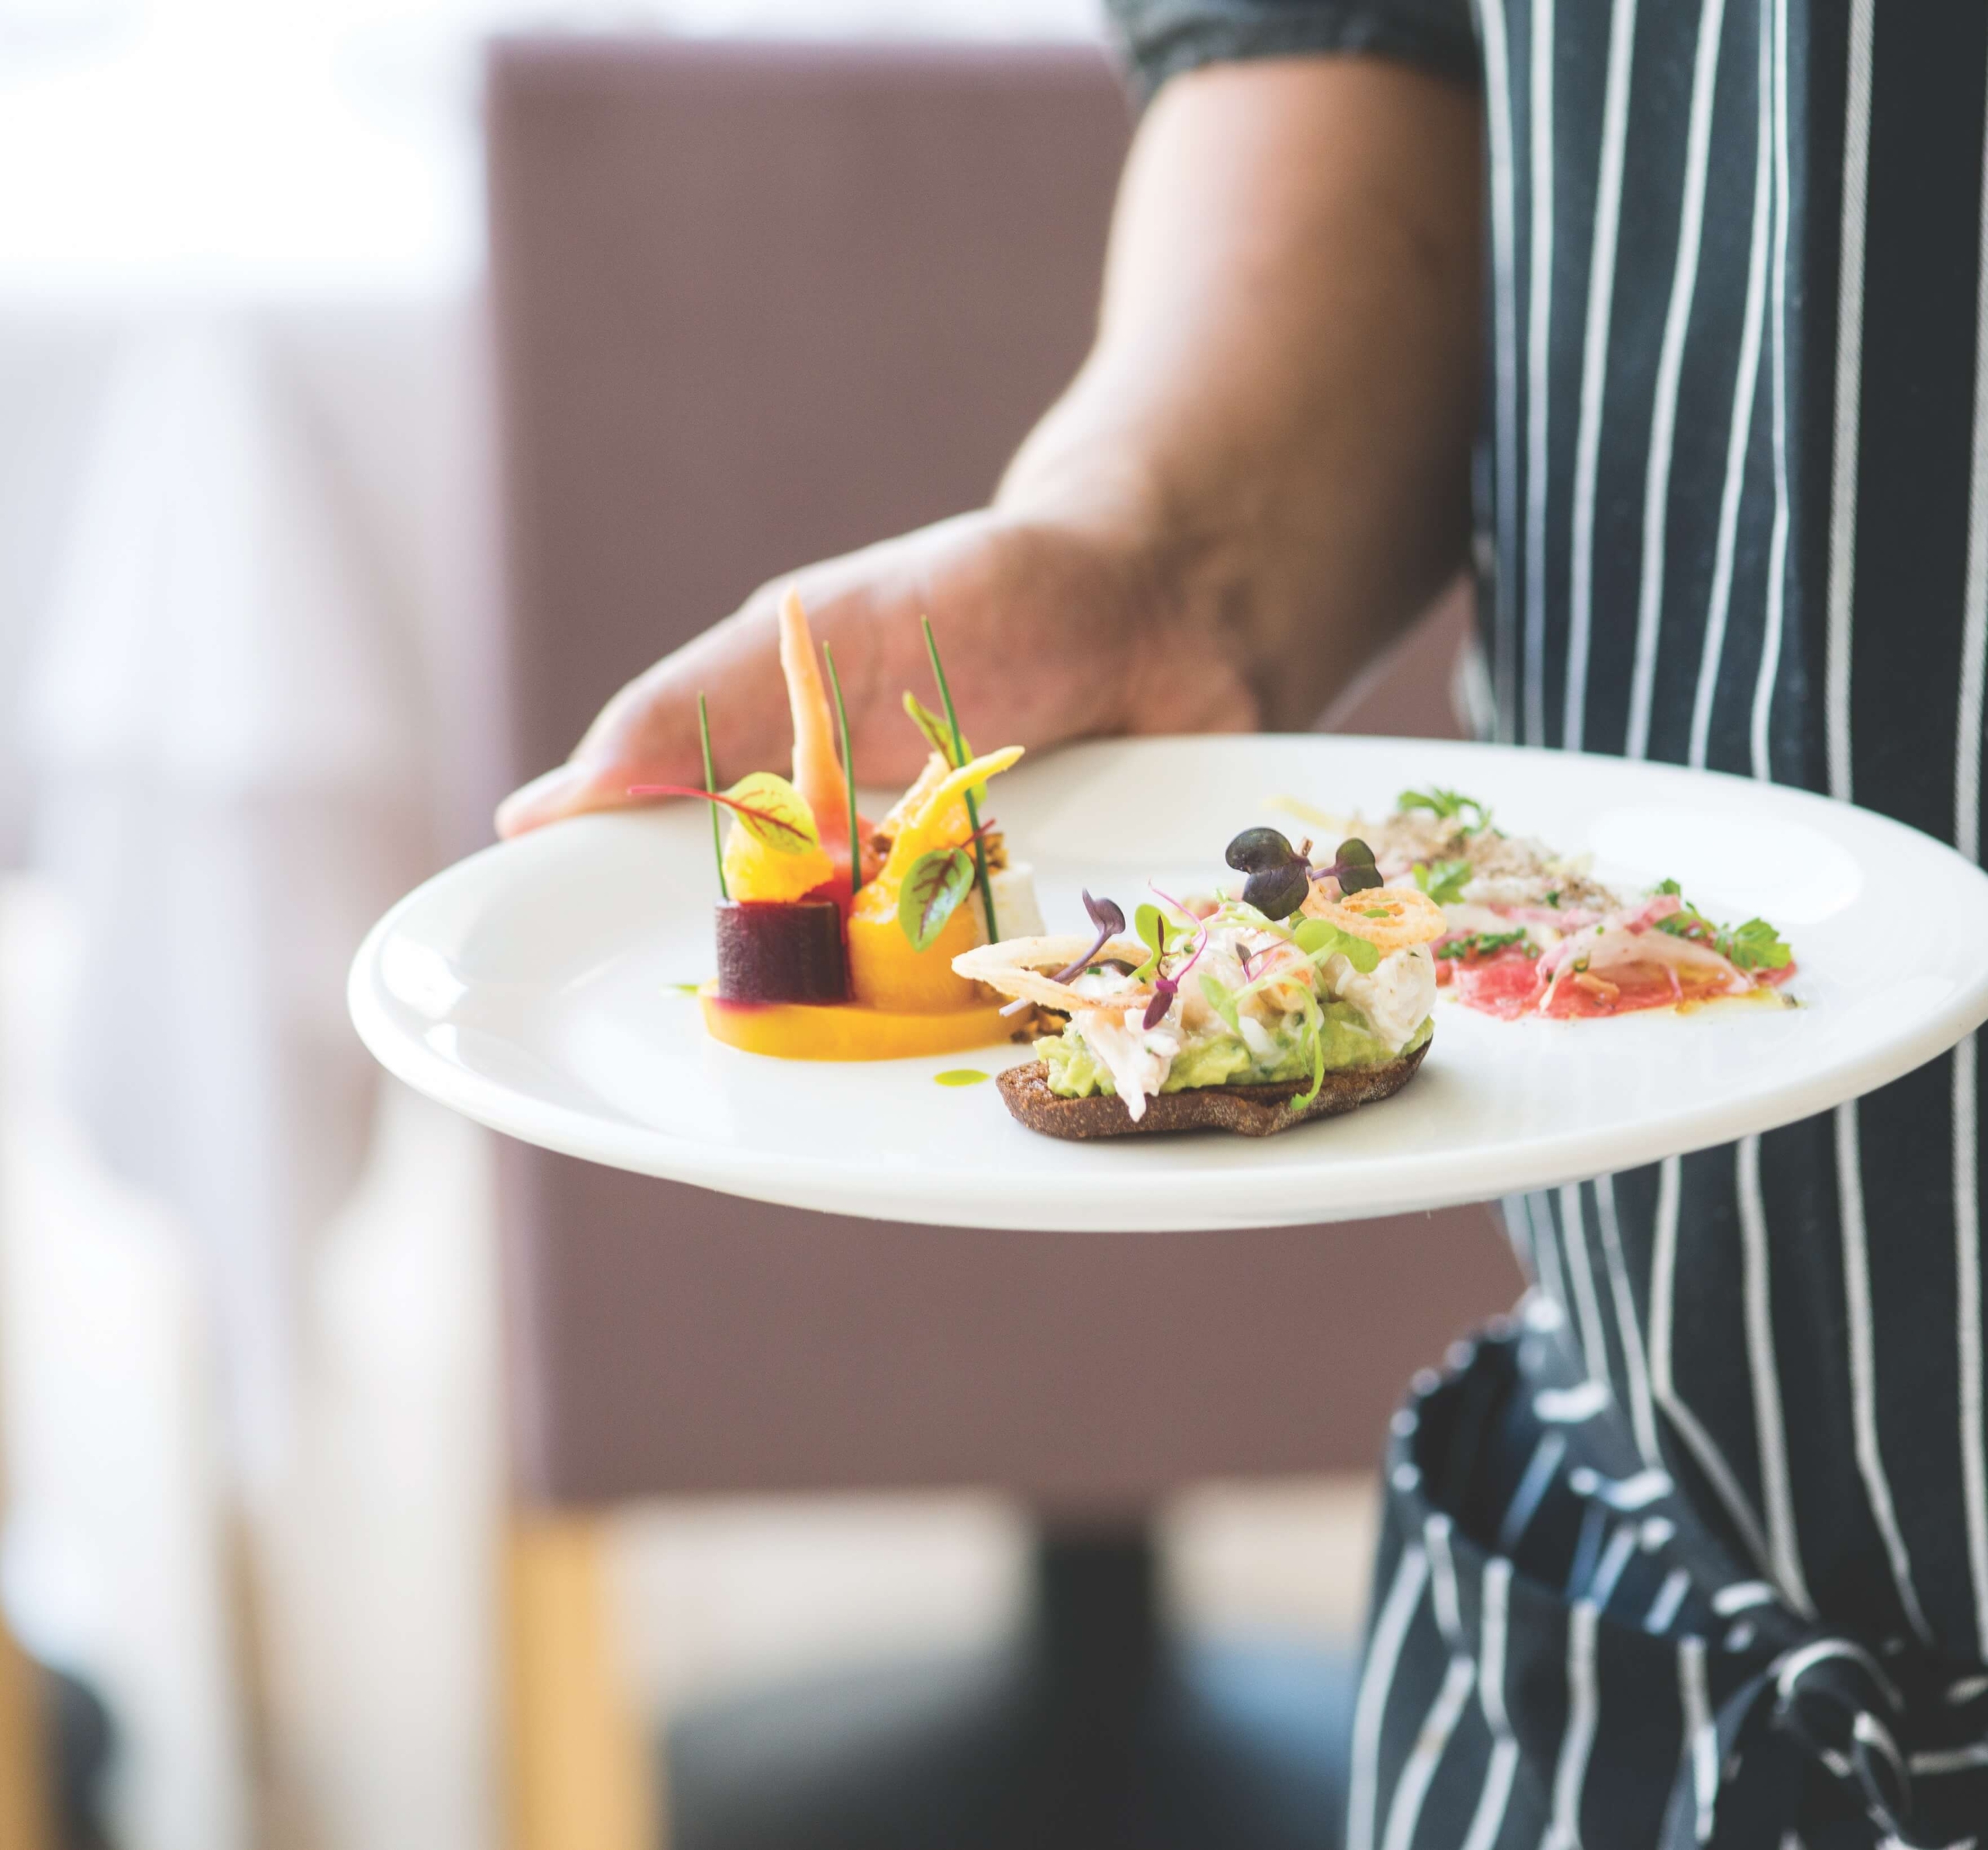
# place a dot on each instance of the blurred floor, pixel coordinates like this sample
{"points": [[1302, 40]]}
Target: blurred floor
{"points": [[379, 1606]]}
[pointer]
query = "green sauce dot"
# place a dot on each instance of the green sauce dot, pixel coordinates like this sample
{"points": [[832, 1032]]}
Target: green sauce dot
{"points": [[960, 1076], [686, 989]]}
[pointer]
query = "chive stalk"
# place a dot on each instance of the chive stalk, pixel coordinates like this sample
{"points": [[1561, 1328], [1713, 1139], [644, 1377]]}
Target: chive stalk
{"points": [[972, 808], [848, 772], [711, 789]]}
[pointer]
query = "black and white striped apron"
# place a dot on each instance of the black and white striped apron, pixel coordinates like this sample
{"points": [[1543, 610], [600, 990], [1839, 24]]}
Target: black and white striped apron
{"points": [[1698, 1551]]}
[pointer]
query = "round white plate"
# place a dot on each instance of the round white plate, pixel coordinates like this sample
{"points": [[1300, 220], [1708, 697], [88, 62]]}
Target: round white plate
{"points": [[534, 987]]}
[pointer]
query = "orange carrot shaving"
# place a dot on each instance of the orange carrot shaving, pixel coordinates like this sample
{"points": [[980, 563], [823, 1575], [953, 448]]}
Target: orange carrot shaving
{"points": [[817, 763]]}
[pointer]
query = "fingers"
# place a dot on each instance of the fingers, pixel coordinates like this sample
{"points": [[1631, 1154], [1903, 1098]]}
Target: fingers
{"points": [[1043, 640]]}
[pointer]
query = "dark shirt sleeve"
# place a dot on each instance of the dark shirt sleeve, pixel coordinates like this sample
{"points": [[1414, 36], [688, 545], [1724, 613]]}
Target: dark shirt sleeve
{"points": [[1162, 38]]}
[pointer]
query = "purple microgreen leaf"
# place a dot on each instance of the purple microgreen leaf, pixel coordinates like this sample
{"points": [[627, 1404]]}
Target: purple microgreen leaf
{"points": [[1162, 999], [1109, 920], [1352, 867]]}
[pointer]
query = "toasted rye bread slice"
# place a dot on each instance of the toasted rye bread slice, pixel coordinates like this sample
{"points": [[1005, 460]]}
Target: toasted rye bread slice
{"points": [[1249, 1111]]}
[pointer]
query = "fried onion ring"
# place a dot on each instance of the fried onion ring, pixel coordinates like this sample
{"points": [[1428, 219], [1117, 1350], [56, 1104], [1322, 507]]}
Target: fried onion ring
{"points": [[1390, 918]]}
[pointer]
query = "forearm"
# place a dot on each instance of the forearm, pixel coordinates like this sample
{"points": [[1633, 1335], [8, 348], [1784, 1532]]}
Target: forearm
{"points": [[1283, 385]]}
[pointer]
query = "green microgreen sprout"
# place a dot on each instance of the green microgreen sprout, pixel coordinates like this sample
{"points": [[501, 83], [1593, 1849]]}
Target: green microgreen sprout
{"points": [[1221, 998], [1154, 932], [1485, 943], [1318, 939], [972, 808]]}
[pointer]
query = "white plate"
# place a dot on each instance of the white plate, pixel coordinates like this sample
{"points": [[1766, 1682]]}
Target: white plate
{"points": [[531, 988]]}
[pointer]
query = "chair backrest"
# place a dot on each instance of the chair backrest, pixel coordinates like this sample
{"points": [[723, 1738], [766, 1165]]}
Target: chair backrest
{"points": [[756, 304]]}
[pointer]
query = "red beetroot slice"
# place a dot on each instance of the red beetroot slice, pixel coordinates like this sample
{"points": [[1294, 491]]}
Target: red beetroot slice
{"points": [[780, 951]]}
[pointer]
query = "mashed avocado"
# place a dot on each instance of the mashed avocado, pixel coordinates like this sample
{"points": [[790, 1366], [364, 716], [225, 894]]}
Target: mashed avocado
{"points": [[1224, 1059]]}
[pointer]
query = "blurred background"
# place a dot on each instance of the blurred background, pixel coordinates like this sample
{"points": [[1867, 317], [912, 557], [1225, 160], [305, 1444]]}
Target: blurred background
{"points": [[380, 382]]}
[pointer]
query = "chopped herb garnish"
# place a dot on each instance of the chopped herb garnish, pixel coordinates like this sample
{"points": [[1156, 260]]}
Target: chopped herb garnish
{"points": [[1755, 945], [1444, 881], [1553, 899], [1446, 805], [1485, 943]]}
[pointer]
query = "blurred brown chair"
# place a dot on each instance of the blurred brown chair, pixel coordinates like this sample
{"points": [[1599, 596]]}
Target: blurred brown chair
{"points": [[756, 305]]}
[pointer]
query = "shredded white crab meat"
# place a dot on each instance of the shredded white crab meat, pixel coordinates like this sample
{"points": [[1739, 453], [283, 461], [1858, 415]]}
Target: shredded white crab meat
{"points": [[1138, 1057], [1397, 999]]}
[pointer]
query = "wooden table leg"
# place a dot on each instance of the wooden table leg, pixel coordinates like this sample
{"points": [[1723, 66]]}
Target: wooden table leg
{"points": [[26, 1823], [582, 1776]]}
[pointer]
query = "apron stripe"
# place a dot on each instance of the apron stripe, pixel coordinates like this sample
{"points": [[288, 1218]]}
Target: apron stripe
{"points": [[1863, 1365], [1746, 382], [1849, 374], [1784, 1546], [1684, 287]]}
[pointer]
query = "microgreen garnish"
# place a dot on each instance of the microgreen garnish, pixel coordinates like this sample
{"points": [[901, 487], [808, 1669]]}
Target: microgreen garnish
{"points": [[848, 772], [1444, 881], [1485, 943], [1352, 867], [1666, 888], [1755, 945], [961, 758], [1221, 998], [1165, 987], [1279, 877], [1446, 805], [711, 785], [1109, 921], [1154, 932], [936, 734], [1314, 1020], [1319, 939], [769, 809], [931, 893]]}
